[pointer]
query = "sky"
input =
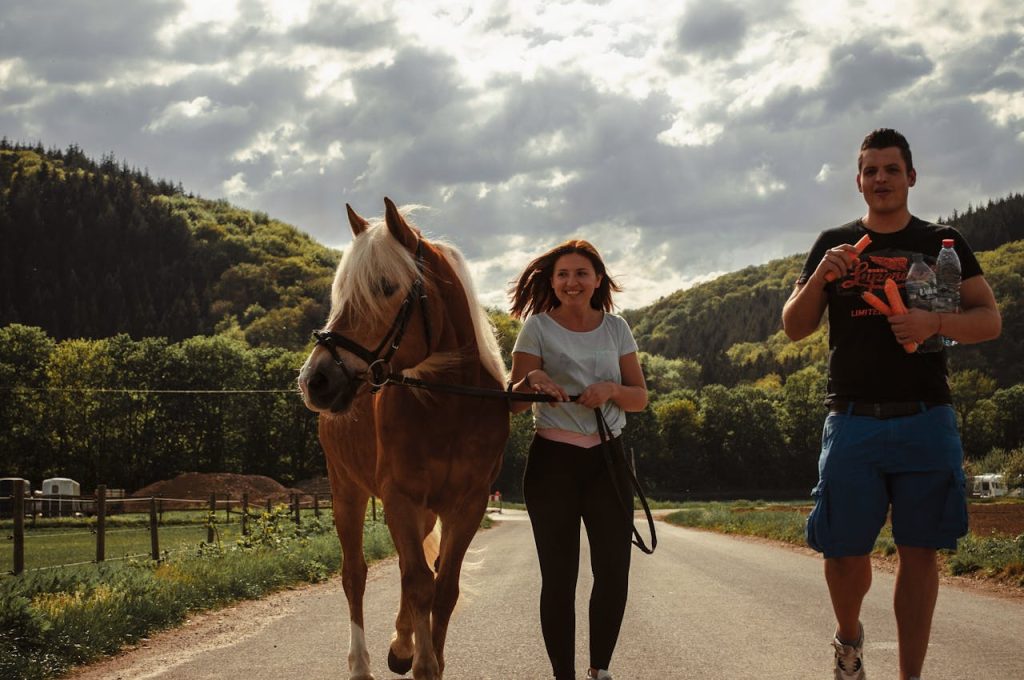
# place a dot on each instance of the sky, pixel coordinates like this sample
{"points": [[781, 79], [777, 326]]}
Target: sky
{"points": [[684, 139]]}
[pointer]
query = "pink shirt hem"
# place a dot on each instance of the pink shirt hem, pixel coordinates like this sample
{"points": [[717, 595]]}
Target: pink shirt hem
{"points": [[584, 441]]}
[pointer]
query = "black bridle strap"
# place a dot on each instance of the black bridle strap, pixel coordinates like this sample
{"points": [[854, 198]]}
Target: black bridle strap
{"points": [[378, 365]]}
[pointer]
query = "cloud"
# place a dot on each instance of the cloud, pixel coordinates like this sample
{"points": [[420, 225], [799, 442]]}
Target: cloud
{"points": [[682, 145], [70, 42], [712, 29], [865, 72]]}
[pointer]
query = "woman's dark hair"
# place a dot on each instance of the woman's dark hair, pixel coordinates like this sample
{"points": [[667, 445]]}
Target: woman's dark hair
{"points": [[533, 293]]}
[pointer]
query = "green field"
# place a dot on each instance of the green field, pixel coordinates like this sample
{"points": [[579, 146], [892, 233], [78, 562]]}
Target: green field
{"points": [[70, 541], [51, 619], [996, 556]]}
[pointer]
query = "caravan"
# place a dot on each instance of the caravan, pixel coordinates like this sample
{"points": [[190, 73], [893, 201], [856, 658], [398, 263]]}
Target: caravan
{"points": [[989, 486]]}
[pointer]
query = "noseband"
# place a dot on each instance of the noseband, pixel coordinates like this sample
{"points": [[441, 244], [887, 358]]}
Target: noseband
{"points": [[378, 365]]}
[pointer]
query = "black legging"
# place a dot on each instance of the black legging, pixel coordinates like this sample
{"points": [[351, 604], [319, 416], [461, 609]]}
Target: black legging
{"points": [[563, 484]]}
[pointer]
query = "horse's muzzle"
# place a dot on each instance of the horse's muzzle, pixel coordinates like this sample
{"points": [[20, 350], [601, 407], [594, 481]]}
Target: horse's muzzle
{"points": [[325, 387]]}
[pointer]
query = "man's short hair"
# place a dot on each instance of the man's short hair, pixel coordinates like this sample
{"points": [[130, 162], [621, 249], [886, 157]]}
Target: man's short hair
{"points": [[883, 138]]}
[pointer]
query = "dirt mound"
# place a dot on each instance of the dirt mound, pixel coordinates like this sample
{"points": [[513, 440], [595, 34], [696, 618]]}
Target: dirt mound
{"points": [[320, 485], [199, 486]]}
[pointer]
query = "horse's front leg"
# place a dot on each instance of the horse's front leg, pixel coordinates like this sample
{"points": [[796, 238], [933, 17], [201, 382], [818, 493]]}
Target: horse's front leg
{"points": [[412, 627], [349, 513], [459, 529]]}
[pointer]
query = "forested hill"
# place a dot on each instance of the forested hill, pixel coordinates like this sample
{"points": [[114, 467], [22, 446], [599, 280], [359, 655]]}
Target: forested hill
{"points": [[95, 249], [702, 322], [705, 321]]}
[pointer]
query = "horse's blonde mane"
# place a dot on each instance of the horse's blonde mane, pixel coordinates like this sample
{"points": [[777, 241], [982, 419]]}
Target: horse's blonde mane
{"points": [[375, 256], [486, 338]]}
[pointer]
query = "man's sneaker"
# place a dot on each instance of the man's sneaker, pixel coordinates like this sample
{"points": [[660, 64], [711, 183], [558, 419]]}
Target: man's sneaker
{"points": [[849, 664], [599, 675]]}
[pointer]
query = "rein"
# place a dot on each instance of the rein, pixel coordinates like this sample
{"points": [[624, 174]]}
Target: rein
{"points": [[602, 427]]}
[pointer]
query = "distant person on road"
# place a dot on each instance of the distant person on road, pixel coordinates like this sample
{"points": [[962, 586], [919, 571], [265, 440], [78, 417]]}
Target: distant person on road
{"points": [[890, 439], [571, 344]]}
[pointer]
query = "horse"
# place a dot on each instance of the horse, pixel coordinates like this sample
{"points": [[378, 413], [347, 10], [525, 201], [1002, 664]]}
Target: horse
{"points": [[427, 455]]}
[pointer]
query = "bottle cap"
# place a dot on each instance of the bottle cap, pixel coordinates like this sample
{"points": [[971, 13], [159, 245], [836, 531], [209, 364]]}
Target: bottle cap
{"points": [[947, 243]]}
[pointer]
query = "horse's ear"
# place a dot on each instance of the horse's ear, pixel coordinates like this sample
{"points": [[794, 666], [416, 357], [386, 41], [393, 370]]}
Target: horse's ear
{"points": [[398, 227], [359, 225]]}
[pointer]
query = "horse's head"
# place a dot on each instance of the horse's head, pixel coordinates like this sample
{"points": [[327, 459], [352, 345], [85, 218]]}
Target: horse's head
{"points": [[380, 320]]}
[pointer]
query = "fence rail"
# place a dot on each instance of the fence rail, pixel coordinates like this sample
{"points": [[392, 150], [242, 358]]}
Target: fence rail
{"points": [[24, 506]]}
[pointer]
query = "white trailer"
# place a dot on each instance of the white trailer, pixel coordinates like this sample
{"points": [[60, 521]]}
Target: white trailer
{"points": [[989, 485], [61, 497]]}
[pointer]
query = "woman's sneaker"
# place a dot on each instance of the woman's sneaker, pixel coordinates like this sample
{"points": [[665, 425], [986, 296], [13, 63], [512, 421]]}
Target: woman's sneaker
{"points": [[599, 675], [849, 662]]}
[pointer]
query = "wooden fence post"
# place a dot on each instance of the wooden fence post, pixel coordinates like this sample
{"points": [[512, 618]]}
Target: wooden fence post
{"points": [[268, 505], [227, 509], [373, 509], [212, 518], [101, 522], [316, 505], [245, 514], [154, 536], [18, 506], [295, 508]]}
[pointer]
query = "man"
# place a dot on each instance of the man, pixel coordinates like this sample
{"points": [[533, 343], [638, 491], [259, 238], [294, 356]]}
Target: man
{"points": [[890, 438]]}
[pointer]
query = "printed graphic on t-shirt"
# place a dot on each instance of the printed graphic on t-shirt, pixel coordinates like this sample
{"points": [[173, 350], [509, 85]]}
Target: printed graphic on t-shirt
{"points": [[870, 274]]}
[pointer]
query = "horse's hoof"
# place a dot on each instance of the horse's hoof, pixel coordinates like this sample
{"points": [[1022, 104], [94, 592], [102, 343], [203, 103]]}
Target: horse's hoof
{"points": [[400, 666]]}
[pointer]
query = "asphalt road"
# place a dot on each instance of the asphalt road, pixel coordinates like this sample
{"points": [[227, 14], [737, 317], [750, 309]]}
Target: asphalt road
{"points": [[704, 606]]}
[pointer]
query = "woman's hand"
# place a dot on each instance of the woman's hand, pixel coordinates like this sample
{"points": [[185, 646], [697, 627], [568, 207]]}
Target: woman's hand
{"points": [[541, 383], [597, 394]]}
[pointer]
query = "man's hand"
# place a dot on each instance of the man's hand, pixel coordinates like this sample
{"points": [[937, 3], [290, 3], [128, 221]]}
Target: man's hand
{"points": [[917, 325]]}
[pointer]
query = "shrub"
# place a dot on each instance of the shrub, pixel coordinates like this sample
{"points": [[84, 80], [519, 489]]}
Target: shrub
{"points": [[52, 619]]}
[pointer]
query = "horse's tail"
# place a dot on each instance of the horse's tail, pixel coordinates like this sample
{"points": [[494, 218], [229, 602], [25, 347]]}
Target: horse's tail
{"points": [[432, 546]]}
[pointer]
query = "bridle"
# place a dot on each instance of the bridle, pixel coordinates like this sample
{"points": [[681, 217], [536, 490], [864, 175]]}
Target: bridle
{"points": [[378, 366]]}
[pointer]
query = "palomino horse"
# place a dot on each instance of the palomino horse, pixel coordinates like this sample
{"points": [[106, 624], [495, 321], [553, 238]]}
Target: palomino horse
{"points": [[426, 455]]}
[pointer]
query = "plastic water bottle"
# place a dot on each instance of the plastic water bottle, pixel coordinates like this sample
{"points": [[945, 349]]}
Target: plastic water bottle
{"points": [[921, 293], [947, 278]]}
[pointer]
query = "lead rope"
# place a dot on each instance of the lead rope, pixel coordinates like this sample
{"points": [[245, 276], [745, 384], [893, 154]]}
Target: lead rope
{"points": [[606, 447]]}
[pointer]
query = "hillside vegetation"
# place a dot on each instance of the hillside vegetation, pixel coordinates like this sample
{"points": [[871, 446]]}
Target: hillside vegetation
{"points": [[145, 332], [714, 323], [96, 249]]}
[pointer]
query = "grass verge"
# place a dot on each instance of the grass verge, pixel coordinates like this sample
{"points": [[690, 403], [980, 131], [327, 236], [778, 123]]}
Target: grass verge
{"points": [[995, 556], [54, 619]]}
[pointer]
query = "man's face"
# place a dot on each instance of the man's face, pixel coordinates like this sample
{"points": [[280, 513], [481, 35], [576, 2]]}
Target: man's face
{"points": [[884, 180]]}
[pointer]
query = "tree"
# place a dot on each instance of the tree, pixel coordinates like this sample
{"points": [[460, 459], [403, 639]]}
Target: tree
{"points": [[969, 387], [686, 465], [664, 375]]}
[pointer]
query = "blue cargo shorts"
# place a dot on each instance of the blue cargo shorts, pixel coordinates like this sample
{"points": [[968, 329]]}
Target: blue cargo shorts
{"points": [[913, 464]]}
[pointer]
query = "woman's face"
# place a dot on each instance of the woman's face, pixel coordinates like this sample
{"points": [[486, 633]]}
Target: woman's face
{"points": [[574, 280]]}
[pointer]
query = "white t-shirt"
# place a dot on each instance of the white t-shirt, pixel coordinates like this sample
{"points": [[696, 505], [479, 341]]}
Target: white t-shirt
{"points": [[575, 361]]}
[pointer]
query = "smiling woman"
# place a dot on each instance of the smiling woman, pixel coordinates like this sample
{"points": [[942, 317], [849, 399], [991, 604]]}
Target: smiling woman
{"points": [[570, 344]]}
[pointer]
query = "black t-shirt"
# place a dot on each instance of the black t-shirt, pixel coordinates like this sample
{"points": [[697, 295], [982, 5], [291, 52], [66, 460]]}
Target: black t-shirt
{"points": [[866, 363]]}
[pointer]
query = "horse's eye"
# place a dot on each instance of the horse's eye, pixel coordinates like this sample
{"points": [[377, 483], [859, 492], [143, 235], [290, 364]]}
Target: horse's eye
{"points": [[386, 287]]}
